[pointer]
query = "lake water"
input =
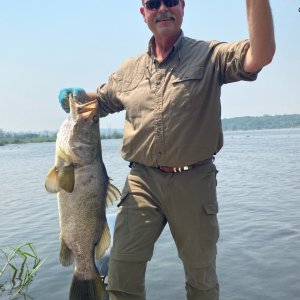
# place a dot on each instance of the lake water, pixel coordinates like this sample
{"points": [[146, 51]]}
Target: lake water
{"points": [[259, 199]]}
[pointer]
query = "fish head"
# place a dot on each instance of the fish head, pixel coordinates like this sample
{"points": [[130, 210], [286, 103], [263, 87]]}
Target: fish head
{"points": [[84, 137]]}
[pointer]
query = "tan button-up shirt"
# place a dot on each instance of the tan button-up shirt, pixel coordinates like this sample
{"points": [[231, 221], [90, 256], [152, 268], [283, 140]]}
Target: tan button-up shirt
{"points": [[173, 111]]}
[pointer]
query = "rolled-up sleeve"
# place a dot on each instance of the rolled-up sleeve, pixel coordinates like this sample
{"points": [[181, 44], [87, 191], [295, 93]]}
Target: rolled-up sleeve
{"points": [[229, 61], [108, 97]]}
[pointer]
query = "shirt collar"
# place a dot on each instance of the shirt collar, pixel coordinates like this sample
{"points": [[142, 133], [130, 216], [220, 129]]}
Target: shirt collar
{"points": [[176, 45]]}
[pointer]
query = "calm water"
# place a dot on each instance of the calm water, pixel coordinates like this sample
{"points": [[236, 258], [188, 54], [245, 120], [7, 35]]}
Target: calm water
{"points": [[259, 198]]}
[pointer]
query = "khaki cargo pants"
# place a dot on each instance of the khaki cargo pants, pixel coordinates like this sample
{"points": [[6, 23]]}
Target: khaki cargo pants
{"points": [[150, 199]]}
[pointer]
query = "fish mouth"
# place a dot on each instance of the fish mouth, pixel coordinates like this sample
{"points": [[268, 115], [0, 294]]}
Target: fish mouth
{"points": [[85, 111]]}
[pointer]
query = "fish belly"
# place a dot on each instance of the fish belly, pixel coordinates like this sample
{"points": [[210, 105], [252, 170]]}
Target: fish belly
{"points": [[82, 216]]}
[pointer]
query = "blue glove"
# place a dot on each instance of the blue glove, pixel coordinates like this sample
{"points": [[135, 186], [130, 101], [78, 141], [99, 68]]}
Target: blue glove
{"points": [[77, 93]]}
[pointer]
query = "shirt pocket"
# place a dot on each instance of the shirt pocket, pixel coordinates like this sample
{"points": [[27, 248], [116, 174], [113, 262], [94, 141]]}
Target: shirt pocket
{"points": [[185, 89], [130, 95], [129, 81]]}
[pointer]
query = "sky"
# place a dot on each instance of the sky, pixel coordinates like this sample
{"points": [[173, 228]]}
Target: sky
{"points": [[48, 45]]}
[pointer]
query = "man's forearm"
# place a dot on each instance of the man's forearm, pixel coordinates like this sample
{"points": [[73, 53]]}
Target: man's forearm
{"points": [[91, 95], [261, 35]]}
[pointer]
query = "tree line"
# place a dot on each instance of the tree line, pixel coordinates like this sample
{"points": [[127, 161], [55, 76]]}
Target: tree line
{"points": [[25, 137], [263, 122], [7, 137]]}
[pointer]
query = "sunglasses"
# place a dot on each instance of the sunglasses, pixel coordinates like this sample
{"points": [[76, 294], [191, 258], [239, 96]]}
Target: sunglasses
{"points": [[155, 4]]}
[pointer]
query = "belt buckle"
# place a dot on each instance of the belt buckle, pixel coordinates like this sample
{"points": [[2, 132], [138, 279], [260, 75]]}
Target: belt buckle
{"points": [[181, 169], [174, 169]]}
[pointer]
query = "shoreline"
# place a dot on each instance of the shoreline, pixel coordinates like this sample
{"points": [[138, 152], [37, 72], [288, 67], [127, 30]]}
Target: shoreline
{"points": [[19, 140]]}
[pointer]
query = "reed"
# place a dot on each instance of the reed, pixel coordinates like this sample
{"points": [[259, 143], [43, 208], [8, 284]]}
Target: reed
{"points": [[20, 266]]}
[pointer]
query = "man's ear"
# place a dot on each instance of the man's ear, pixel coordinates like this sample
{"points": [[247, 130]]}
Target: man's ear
{"points": [[183, 4], [142, 11]]}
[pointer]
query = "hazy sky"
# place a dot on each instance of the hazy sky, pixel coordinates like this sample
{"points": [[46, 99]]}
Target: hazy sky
{"points": [[48, 45]]}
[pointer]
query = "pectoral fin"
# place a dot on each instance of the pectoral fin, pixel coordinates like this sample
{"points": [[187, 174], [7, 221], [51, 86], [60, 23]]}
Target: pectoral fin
{"points": [[103, 243], [112, 194], [66, 255], [51, 183], [66, 178]]}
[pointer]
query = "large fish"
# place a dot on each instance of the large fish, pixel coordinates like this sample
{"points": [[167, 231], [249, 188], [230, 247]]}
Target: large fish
{"points": [[84, 189]]}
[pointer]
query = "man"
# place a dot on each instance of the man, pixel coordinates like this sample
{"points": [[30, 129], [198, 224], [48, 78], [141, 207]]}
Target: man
{"points": [[171, 95]]}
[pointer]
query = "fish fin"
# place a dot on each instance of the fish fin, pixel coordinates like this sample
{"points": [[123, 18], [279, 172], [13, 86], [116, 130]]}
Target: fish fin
{"points": [[92, 289], [103, 243], [66, 255], [66, 178], [51, 183], [112, 194]]}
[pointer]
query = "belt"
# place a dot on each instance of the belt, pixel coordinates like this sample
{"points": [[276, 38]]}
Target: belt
{"points": [[166, 169]]}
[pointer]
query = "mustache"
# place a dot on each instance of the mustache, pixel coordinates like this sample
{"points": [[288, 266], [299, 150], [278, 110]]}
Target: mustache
{"points": [[165, 16]]}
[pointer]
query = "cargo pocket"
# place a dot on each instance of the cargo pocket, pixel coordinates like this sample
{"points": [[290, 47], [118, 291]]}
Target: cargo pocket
{"points": [[121, 225], [211, 210]]}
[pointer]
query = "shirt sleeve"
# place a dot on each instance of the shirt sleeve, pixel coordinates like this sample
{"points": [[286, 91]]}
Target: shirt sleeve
{"points": [[107, 97], [229, 61]]}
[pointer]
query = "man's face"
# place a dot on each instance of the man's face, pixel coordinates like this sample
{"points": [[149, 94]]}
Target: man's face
{"points": [[164, 22]]}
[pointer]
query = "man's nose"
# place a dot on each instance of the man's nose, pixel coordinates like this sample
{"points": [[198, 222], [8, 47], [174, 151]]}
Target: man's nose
{"points": [[162, 7]]}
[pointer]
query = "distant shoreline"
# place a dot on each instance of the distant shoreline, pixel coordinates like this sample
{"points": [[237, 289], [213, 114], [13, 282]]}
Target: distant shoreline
{"points": [[25, 138], [263, 122], [231, 124], [52, 140]]}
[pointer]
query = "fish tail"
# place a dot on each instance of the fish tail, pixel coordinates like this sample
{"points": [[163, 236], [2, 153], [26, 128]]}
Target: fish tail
{"points": [[92, 289]]}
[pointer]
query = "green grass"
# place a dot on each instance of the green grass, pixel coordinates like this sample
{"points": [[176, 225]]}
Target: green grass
{"points": [[20, 265]]}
